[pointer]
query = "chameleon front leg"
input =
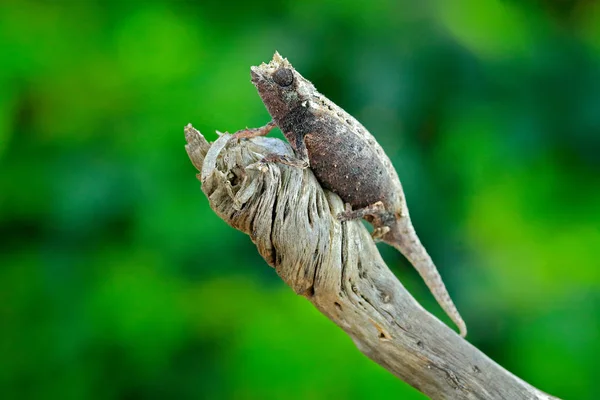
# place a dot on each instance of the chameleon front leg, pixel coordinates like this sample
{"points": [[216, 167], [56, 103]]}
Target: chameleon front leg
{"points": [[301, 159], [301, 153], [286, 160], [254, 132]]}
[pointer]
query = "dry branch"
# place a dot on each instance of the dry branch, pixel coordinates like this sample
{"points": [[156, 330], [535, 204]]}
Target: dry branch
{"points": [[337, 267]]}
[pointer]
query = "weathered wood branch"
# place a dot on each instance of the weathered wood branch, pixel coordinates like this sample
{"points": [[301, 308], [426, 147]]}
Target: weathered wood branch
{"points": [[337, 267]]}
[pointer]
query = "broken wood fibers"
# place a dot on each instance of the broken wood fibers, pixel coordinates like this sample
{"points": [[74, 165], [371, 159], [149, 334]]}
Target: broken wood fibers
{"points": [[338, 268]]}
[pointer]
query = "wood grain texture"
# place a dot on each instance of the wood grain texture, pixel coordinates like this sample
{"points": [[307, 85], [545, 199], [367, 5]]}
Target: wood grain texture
{"points": [[338, 268]]}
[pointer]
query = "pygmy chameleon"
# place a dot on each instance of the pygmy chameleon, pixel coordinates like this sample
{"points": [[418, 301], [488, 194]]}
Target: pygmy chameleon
{"points": [[347, 160]]}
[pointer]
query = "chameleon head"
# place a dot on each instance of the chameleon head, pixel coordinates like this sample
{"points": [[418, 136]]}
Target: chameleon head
{"points": [[280, 86]]}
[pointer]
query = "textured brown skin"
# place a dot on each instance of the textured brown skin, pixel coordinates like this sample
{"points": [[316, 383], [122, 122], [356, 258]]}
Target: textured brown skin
{"points": [[347, 160]]}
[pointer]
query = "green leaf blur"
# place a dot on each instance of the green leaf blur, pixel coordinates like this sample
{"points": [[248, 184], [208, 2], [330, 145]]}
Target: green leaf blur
{"points": [[118, 281]]}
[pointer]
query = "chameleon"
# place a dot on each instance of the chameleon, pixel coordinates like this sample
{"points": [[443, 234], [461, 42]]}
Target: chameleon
{"points": [[347, 160]]}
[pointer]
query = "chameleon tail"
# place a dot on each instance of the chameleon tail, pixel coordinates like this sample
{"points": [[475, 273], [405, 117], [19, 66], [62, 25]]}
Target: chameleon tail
{"points": [[403, 237]]}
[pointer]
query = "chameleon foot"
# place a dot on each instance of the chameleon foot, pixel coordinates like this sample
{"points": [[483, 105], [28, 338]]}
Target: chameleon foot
{"points": [[286, 160]]}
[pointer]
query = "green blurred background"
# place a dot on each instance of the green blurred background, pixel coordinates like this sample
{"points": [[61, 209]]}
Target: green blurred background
{"points": [[117, 281]]}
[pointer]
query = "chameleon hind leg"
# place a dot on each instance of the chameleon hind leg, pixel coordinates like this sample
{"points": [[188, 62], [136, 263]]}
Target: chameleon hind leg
{"points": [[380, 217], [372, 210]]}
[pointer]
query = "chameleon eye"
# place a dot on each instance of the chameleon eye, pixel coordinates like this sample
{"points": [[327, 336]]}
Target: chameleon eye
{"points": [[283, 77]]}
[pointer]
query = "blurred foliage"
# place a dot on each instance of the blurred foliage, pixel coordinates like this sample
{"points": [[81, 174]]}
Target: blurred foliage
{"points": [[118, 281]]}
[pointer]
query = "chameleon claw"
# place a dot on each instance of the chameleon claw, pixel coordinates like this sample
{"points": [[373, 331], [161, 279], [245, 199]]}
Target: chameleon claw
{"points": [[379, 233]]}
